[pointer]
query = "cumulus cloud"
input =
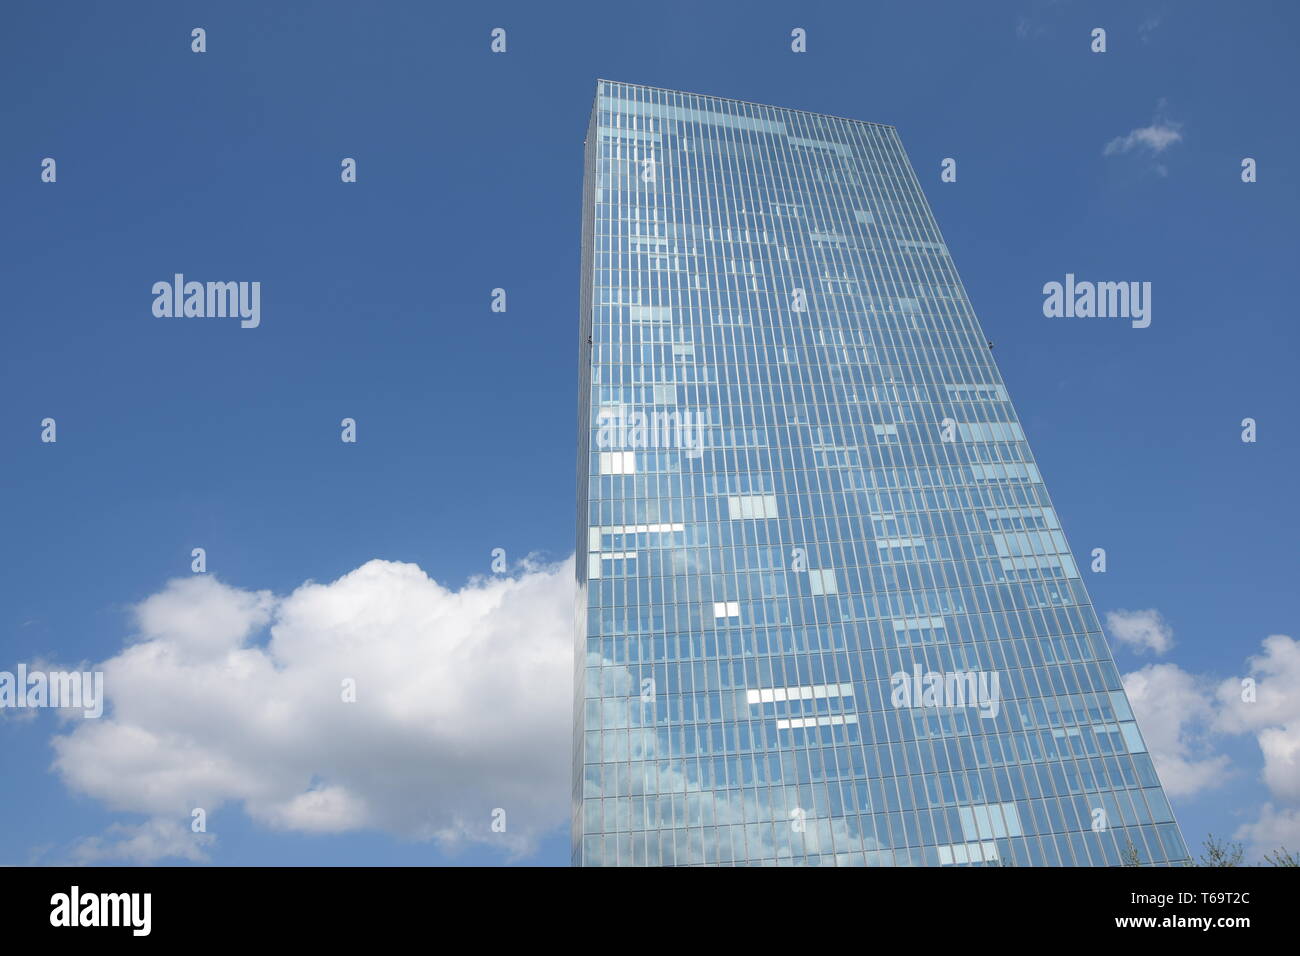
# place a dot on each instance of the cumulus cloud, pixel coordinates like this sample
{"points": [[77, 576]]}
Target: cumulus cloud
{"points": [[1175, 711], [1276, 828], [231, 697], [1151, 140], [1265, 703], [1181, 715], [1141, 630], [155, 839], [1156, 138]]}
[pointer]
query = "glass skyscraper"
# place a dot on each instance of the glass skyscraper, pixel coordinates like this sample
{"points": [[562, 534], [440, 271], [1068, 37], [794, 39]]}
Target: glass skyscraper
{"points": [[826, 611]]}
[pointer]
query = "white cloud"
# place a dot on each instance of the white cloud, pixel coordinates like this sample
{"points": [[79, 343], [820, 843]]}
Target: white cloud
{"points": [[155, 839], [1156, 138], [1174, 711], [1141, 630], [1180, 714], [201, 619], [1273, 715], [1153, 139], [231, 698], [1276, 828], [327, 810], [463, 705]]}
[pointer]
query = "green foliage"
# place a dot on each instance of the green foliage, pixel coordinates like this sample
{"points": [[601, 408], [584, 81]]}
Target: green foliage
{"points": [[1281, 857], [1221, 853], [1131, 855]]}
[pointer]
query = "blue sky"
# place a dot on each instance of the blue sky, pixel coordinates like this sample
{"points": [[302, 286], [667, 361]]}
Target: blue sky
{"points": [[175, 434]]}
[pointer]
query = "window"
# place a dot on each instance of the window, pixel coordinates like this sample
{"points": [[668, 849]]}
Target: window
{"points": [[618, 463]]}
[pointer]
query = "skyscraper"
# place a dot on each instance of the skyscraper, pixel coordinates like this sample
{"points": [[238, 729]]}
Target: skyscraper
{"points": [[827, 614]]}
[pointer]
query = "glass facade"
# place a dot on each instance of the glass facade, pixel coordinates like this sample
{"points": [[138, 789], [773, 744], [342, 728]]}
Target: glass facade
{"points": [[826, 611]]}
